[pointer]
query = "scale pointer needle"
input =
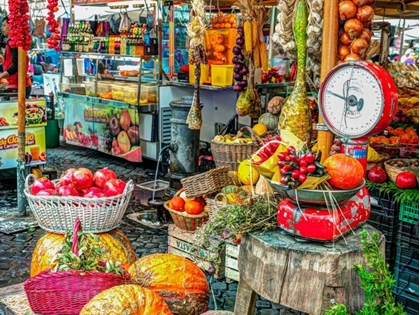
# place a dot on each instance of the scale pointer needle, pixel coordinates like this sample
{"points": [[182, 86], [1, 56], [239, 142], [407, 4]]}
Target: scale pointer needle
{"points": [[339, 96]]}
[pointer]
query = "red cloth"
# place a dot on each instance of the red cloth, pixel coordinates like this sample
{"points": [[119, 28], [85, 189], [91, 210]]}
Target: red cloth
{"points": [[13, 79]]}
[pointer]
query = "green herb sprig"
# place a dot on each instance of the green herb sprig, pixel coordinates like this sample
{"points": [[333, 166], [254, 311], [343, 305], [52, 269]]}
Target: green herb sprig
{"points": [[400, 195]]}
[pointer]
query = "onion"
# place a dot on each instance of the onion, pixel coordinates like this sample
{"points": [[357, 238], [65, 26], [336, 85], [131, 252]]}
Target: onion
{"points": [[345, 39], [366, 34], [365, 13], [237, 68], [242, 84], [240, 30], [367, 24], [237, 50], [359, 46], [235, 60], [353, 28], [238, 77], [241, 57], [240, 41], [359, 3], [244, 70], [347, 10], [352, 57], [343, 51]]}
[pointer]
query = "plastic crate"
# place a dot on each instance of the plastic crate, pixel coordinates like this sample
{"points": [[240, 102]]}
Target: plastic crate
{"points": [[411, 305], [408, 234], [409, 212], [406, 282], [383, 201], [385, 224], [408, 256], [221, 75], [390, 252]]}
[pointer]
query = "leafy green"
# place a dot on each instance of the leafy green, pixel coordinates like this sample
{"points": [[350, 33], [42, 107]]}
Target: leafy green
{"points": [[377, 282], [390, 189]]}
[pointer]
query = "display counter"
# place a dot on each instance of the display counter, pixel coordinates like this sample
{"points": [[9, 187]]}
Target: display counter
{"points": [[36, 120]]}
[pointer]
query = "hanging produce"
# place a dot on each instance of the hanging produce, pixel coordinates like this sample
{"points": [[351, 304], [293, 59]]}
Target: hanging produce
{"points": [[196, 31], [355, 31], [54, 40], [283, 34], [20, 34], [295, 113], [314, 34]]}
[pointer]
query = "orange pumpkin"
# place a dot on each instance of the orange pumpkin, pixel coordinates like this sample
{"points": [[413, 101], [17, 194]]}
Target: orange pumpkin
{"points": [[114, 246], [177, 203], [126, 299], [346, 172], [180, 282], [193, 207]]}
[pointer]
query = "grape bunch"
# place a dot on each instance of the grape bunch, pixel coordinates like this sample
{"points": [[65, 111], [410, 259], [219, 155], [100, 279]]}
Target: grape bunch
{"points": [[240, 69], [294, 168]]}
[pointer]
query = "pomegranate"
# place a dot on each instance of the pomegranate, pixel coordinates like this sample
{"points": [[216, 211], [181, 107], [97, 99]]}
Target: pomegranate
{"points": [[102, 176], [82, 178], [65, 178], [94, 192], [47, 192], [67, 190], [406, 180], [41, 184], [114, 187], [377, 175]]}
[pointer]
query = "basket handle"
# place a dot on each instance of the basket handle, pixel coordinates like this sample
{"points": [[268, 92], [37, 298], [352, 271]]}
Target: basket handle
{"points": [[254, 135], [75, 242], [29, 178], [129, 186]]}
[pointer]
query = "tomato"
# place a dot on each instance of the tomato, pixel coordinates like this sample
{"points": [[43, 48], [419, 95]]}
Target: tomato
{"points": [[114, 187], [41, 184], [311, 168], [302, 178], [296, 174], [406, 180], [177, 203], [82, 178], [102, 176], [310, 158], [67, 190], [65, 178], [94, 192], [193, 207]]}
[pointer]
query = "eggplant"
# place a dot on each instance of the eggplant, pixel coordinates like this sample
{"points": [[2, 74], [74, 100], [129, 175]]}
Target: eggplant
{"points": [[244, 70], [237, 50], [240, 41], [238, 77]]}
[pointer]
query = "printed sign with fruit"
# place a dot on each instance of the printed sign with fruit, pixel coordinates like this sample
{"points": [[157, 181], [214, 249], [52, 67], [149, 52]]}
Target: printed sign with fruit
{"points": [[35, 114]]}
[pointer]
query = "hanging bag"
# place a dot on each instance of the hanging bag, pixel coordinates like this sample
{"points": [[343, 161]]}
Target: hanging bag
{"points": [[40, 26]]}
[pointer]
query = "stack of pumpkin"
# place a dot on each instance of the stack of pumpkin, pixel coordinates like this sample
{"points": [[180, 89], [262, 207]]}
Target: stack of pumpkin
{"points": [[160, 283]]}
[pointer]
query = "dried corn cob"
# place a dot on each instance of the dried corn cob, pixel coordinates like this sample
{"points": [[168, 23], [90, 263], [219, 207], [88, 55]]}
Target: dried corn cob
{"points": [[256, 56], [248, 36], [263, 56], [254, 33]]}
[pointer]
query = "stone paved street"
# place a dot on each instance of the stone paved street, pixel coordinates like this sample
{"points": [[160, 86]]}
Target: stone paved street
{"points": [[16, 249]]}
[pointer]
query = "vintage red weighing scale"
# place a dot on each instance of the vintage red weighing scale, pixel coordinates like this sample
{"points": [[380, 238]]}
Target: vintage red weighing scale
{"points": [[356, 100]]}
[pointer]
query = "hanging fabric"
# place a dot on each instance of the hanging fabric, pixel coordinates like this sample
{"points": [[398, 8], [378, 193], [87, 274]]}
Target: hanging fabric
{"points": [[114, 23], [40, 26]]}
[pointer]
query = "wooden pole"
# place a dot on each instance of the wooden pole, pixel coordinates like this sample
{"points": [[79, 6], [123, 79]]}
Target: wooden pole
{"points": [[328, 61], [20, 169]]}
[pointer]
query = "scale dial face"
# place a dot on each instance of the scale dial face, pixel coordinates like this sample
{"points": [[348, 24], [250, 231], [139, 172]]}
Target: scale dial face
{"points": [[352, 100]]}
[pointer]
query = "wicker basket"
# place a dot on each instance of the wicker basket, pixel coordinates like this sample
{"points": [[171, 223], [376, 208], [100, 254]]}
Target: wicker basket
{"points": [[393, 171], [384, 157], [57, 213], [187, 222], [206, 183], [231, 154], [214, 204]]}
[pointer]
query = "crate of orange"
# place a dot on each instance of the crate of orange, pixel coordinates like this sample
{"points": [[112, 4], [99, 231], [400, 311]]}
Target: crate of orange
{"points": [[187, 213]]}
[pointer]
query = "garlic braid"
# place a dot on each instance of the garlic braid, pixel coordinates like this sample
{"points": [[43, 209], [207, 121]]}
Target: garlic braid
{"points": [[283, 33]]}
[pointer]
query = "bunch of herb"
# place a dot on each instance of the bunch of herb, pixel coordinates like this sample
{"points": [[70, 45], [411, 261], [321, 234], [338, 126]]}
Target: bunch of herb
{"points": [[377, 282], [87, 258], [389, 188], [259, 213]]}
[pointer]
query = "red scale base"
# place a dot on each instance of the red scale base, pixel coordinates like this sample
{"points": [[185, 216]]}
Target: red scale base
{"points": [[324, 223]]}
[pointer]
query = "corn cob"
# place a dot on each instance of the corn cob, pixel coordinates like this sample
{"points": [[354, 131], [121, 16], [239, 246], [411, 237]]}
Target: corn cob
{"points": [[254, 33], [263, 56], [256, 56], [248, 36]]}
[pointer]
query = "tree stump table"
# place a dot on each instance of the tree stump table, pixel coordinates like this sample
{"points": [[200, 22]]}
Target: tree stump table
{"points": [[303, 275]]}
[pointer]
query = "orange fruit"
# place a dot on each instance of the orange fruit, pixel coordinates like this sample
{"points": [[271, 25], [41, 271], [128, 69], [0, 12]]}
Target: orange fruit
{"points": [[193, 207], [177, 203]]}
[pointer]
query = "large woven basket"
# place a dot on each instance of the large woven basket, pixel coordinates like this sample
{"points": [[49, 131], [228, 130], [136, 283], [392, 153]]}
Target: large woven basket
{"points": [[206, 183], [231, 154], [57, 213], [393, 171], [67, 292], [187, 222]]}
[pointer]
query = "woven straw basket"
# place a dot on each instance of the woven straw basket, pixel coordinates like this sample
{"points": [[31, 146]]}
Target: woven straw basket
{"points": [[393, 171], [187, 222], [57, 213], [206, 183]]}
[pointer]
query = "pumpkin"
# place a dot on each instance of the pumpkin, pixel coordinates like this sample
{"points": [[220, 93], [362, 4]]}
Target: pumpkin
{"points": [[177, 203], [346, 172], [269, 120], [180, 282], [126, 299], [260, 129], [230, 189], [232, 198], [247, 174], [193, 207], [114, 245]]}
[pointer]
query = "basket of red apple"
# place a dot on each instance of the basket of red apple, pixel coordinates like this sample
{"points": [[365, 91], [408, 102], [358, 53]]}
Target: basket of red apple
{"points": [[99, 200]]}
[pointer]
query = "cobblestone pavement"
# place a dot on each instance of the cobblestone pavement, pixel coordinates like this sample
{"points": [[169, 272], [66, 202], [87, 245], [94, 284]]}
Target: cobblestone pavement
{"points": [[16, 249]]}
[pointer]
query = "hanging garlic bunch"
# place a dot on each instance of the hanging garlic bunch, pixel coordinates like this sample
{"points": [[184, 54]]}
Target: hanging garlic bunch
{"points": [[283, 33], [314, 35]]}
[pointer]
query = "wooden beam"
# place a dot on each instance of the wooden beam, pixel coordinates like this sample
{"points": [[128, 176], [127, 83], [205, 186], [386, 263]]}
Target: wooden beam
{"points": [[396, 6]]}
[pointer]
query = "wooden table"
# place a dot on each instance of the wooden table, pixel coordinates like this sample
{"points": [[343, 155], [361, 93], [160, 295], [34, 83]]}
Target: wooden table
{"points": [[303, 275]]}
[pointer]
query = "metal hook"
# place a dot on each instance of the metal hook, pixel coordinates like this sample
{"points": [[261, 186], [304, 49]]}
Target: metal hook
{"points": [[402, 6]]}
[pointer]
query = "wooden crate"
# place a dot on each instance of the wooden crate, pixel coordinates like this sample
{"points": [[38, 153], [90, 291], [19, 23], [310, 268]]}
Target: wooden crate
{"points": [[231, 264], [182, 244]]}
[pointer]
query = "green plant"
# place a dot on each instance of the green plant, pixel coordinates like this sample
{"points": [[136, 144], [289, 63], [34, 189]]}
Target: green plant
{"points": [[390, 189], [377, 282]]}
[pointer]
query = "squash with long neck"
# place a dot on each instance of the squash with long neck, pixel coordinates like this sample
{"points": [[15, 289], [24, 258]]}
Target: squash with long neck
{"points": [[295, 114]]}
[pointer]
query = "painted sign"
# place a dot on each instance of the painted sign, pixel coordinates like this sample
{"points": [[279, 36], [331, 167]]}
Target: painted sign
{"points": [[35, 114]]}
